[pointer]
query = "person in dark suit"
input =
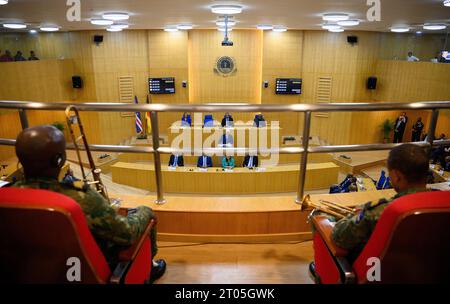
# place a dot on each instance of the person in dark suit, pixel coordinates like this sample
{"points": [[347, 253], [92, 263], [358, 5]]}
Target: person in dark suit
{"points": [[204, 161], [227, 120], [259, 121], [399, 127], [417, 130], [250, 161], [176, 161]]}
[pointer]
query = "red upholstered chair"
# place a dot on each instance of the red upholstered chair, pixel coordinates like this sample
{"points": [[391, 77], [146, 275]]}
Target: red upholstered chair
{"points": [[411, 240], [40, 230]]}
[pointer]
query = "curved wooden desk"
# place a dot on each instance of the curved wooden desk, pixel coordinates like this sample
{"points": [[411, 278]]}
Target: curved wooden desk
{"points": [[278, 179]]}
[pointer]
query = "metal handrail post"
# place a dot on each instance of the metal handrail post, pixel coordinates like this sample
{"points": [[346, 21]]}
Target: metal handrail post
{"points": [[23, 119], [157, 158], [304, 159], [432, 129]]}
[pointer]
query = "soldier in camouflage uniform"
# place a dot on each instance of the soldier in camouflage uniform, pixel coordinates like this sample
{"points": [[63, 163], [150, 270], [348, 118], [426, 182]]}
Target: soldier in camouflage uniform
{"points": [[41, 151], [408, 167]]}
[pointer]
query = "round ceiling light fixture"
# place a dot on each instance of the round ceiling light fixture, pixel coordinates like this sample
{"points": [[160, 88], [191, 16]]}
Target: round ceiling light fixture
{"points": [[49, 28], [171, 29], [119, 26], [112, 29], [15, 25], [331, 26], [335, 17], [265, 27], [446, 3], [101, 22], [222, 29], [279, 29], [116, 16], [348, 22], [3, 2], [185, 27], [226, 9], [434, 26], [400, 29], [221, 23], [33, 32], [339, 30]]}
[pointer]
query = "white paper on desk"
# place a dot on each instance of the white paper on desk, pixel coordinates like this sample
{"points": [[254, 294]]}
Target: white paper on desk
{"points": [[202, 170], [170, 168], [261, 169], [228, 170]]}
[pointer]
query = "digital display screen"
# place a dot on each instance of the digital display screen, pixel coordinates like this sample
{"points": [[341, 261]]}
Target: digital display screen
{"points": [[288, 86], [161, 85]]}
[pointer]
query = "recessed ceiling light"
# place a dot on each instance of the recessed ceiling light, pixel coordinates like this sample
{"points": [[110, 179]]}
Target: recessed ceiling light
{"points": [[101, 22], [419, 33], [225, 9], [185, 27], [119, 26], [331, 26], [400, 29], [279, 29], [112, 29], [446, 3], [3, 2], [339, 30], [49, 28], [335, 17], [222, 29], [265, 27], [33, 31], [434, 26], [348, 22], [171, 29], [14, 25], [116, 16], [221, 23]]}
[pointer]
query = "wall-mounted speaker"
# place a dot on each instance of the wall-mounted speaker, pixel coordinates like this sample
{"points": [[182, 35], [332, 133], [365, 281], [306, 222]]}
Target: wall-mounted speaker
{"points": [[98, 39], [372, 83], [77, 82], [352, 39]]}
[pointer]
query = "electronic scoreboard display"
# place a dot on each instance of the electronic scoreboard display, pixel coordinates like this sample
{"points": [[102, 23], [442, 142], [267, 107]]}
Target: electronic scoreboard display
{"points": [[161, 85], [288, 86]]}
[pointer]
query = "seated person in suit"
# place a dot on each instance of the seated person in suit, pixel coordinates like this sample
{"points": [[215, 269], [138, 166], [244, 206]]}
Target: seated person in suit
{"points": [[259, 121], [69, 178], [250, 161], [176, 160], [226, 139], [186, 120], [208, 121], [42, 152], [228, 162], [204, 161], [227, 120], [408, 169]]}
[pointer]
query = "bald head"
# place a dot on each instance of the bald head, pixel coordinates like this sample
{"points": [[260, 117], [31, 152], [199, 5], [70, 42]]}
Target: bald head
{"points": [[41, 151]]}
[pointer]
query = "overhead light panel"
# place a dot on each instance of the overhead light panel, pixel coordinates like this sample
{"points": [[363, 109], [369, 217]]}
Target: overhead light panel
{"points": [[116, 16], [221, 23], [15, 25], [222, 29], [400, 29], [331, 26], [279, 29], [101, 22], [49, 28], [446, 3], [33, 32], [171, 29], [335, 17], [112, 29], [338, 30], [265, 27], [185, 27], [348, 22], [3, 2], [119, 26], [225, 9], [434, 26]]}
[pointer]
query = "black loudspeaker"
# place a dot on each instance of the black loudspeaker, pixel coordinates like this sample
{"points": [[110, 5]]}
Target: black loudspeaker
{"points": [[77, 82], [352, 39], [372, 83], [98, 39]]}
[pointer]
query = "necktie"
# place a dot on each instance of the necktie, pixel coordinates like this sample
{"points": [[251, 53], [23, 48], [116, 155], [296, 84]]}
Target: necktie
{"points": [[250, 162], [176, 161], [204, 161]]}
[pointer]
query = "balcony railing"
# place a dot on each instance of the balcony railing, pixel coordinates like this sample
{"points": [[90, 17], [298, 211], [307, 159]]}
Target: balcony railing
{"points": [[304, 150]]}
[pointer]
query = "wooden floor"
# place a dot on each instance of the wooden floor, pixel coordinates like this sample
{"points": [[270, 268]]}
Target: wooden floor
{"points": [[236, 263]]}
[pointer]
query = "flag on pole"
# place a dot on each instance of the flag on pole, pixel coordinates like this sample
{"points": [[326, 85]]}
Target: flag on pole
{"points": [[138, 118], [149, 122]]}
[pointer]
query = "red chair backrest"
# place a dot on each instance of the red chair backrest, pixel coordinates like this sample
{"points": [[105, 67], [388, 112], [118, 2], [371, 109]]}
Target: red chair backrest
{"points": [[39, 231], [412, 241]]}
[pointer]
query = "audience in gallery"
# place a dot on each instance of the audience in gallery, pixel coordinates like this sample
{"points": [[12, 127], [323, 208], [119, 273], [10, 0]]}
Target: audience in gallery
{"points": [[7, 57]]}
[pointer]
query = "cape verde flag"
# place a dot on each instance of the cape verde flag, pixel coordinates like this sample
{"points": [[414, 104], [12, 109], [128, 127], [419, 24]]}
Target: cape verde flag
{"points": [[138, 118]]}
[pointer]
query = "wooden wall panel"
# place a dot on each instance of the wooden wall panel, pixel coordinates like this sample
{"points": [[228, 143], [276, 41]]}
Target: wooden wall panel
{"points": [[204, 51]]}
